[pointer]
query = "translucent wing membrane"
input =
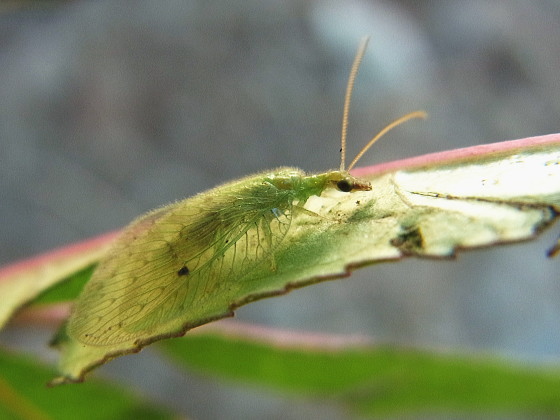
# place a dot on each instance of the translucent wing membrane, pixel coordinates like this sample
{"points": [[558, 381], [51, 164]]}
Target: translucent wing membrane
{"points": [[171, 262]]}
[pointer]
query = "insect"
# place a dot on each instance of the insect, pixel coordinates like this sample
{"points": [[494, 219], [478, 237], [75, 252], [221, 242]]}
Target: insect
{"points": [[161, 275]]}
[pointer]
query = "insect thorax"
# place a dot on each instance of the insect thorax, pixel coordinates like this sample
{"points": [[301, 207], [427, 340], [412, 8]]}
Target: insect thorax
{"points": [[302, 186]]}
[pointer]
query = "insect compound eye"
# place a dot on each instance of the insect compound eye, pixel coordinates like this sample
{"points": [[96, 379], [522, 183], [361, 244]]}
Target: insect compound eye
{"points": [[344, 185]]}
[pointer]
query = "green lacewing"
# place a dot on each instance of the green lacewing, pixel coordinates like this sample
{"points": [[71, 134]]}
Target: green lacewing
{"points": [[174, 258]]}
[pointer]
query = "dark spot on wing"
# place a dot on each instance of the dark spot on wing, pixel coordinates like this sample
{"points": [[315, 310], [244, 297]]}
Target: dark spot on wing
{"points": [[183, 271]]}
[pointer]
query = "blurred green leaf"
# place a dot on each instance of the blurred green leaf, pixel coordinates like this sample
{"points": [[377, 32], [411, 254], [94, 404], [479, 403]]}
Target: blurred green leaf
{"points": [[24, 395], [375, 380], [68, 289], [24, 281]]}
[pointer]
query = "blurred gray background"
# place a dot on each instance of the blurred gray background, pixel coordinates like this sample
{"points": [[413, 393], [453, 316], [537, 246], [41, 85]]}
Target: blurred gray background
{"points": [[110, 109]]}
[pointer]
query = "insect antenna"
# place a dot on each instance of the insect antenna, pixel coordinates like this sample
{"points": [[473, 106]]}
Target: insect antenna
{"points": [[399, 121], [348, 96]]}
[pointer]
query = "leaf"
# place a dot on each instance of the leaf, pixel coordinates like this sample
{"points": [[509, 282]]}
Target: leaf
{"points": [[370, 379], [430, 207], [22, 282], [23, 395]]}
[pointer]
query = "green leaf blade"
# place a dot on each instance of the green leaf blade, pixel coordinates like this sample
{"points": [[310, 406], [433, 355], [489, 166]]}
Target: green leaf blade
{"points": [[24, 394], [430, 206], [419, 211], [372, 380]]}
